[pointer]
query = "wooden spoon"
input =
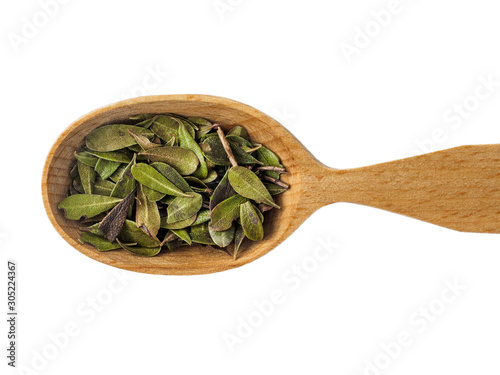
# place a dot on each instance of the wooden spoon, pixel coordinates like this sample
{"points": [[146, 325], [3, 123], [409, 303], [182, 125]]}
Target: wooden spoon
{"points": [[457, 188]]}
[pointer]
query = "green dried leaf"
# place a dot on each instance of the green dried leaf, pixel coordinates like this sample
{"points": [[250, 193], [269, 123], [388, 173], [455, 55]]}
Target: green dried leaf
{"points": [[239, 236], [226, 212], [118, 173], [86, 158], [202, 217], [250, 222], [240, 141], [112, 223], [187, 141], [87, 177], [167, 200], [248, 185], [183, 208], [143, 142], [77, 185], [135, 148], [103, 187], [239, 131], [150, 177], [179, 224], [126, 182], [214, 151], [172, 175], [147, 214], [274, 189], [183, 160], [130, 233], [200, 234], [204, 126], [267, 157], [73, 173], [140, 251], [146, 121], [98, 242], [94, 228], [165, 127], [183, 235], [173, 245], [118, 156], [199, 121], [153, 195], [211, 177], [86, 205], [105, 168], [222, 238], [114, 137], [223, 191]]}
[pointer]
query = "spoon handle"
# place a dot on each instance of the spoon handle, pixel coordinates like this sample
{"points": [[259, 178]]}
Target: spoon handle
{"points": [[457, 188]]}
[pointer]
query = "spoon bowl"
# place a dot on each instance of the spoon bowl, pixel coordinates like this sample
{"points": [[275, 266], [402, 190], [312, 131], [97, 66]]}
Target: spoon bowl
{"points": [[457, 188], [194, 259]]}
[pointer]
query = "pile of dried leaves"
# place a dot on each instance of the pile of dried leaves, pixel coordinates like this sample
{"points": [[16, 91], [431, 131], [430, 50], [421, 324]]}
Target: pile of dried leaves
{"points": [[169, 181]]}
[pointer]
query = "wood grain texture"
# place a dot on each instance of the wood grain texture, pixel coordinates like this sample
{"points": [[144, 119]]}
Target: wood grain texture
{"points": [[457, 188]]}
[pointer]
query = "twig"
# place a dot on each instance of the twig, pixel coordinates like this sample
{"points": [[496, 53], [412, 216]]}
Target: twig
{"points": [[169, 237], [226, 146], [276, 181], [271, 168]]}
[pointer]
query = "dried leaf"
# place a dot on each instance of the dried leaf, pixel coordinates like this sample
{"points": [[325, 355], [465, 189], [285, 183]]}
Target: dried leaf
{"points": [[183, 160], [223, 191], [153, 195], [172, 175], [126, 182], [86, 158], [214, 151], [200, 234], [250, 222], [211, 177], [183, 234], [222, 238], [150, 177], [143, 142], [274, 189], [165, 127], [86, 205], [239, 131], [118, 156], [248, 185], [147, 214], [140, 251], [226, 212], [187, 141], [239, 236], [103, 187], [114, 137], [267, 157], [98, 242], [112, 223], [179, 224], [183, 208], [202, 217], [105, 168], [87, 177], [131, 234]]}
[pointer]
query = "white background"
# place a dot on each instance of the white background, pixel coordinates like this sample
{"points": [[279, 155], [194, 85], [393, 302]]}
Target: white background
{"points": [[286, 59]]}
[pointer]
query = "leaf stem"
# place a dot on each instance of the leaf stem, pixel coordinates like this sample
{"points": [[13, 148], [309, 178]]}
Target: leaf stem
{"points": [[276, 181], [226, 146]]}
